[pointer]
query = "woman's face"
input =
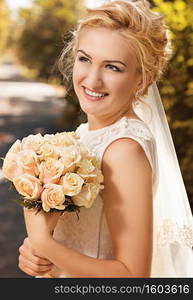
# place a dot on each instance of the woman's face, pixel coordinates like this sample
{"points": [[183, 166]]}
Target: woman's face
{"points": [[105, 72]]}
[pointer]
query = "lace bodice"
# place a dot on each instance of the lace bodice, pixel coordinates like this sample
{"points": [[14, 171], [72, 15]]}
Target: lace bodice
{"points": [[90, 234], [98, 140]]}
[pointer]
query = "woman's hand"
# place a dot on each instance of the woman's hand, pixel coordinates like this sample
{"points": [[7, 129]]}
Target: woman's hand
{"points": [[40, 227], [30, 262]]}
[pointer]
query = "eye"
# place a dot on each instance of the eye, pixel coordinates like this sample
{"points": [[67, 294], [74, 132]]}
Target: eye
{"points": [[83, 58], [114, 68]]}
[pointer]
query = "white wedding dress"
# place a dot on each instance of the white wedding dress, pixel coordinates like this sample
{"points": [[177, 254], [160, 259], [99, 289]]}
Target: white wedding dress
{"points": [[89, 234]]}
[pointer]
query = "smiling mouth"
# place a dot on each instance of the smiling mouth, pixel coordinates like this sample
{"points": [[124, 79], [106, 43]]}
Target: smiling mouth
{"points": [[94, 95]]}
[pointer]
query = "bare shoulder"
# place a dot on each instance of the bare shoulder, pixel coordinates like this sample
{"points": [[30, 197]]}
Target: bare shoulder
{"points": [[125, 150], [125, 162], [123, 144]]}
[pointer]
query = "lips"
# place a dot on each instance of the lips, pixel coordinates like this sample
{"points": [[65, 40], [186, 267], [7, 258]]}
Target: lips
{"points": [[94, 98]]}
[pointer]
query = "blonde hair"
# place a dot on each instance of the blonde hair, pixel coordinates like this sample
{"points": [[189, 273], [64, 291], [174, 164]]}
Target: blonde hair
{"points": [[144, 29]]}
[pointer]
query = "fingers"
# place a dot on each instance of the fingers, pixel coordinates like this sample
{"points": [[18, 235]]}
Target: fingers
{"points": [[31, 272], [32, 269], [28, 252], [30, 262]]}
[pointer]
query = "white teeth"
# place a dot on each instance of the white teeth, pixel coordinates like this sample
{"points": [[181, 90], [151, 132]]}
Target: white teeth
{"points": [[94, 94]]}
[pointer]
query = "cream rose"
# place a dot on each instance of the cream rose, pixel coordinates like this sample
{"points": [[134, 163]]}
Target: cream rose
{"points": [[95, 177], [11, 168], [48, 151], [72, 183], [84, 151], [61, 139], [96, 162], [85, 167], [15, 148], [29, 162], [70, 156], [87, 195], [51, 170], [33, 142], [71, 137], [53, 197], [28, 186], [23, 162], [52, 139]]}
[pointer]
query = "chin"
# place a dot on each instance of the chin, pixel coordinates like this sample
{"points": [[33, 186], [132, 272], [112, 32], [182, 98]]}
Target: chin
{"points": [[91, 109]]}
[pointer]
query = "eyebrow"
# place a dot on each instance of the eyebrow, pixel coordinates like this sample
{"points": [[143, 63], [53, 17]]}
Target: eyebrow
{"points": [[115, 61]]}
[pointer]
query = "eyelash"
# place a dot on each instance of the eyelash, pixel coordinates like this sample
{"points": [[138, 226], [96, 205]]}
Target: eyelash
{"points": [[85, 59]]}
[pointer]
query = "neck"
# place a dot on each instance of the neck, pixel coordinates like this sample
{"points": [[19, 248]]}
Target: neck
{"points": [[97, 122]]}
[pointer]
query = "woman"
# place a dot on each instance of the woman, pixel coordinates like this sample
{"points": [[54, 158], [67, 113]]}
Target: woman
{"points": [[118, 51]]}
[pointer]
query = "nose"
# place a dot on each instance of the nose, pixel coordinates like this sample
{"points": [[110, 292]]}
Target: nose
{"points": [[94, 79]]}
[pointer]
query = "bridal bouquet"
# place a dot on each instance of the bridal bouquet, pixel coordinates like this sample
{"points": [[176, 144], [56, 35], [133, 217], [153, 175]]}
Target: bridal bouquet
{"points": [[53, 172]]}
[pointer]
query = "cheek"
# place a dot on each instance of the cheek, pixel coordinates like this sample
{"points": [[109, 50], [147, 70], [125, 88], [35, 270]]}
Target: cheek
{"points": [[75, 75], [121, 84], [79, 72]]}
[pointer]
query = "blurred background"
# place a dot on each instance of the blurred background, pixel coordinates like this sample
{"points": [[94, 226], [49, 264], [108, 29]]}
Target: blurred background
{"points": [[33, 96]]}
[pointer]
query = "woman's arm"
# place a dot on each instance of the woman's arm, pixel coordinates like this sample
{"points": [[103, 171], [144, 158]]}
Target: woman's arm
{"points": [[127, 200], [128, 204]]}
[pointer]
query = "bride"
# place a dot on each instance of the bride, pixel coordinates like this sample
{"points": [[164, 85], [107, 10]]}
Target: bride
{"points": [[141, 223]]}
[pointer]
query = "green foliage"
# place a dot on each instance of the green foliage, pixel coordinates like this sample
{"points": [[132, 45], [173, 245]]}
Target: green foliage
{"points": [[44, 25], [37, 205], [30, 204], [176, 87]]}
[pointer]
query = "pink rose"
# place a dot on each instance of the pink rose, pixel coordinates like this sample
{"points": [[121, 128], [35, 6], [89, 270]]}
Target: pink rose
{"points": [[28, 186], [53, 197]]}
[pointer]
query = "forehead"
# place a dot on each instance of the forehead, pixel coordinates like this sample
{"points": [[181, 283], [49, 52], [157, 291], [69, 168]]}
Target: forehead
{"points": [[106, 44]]}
